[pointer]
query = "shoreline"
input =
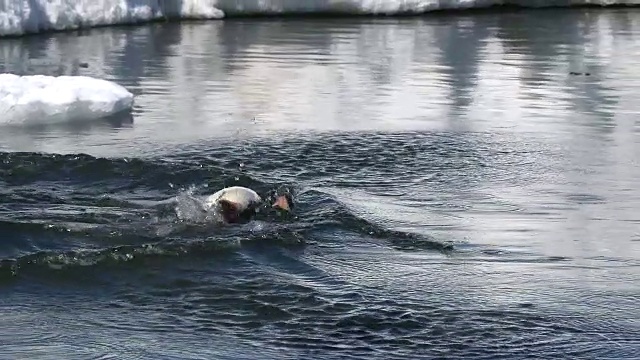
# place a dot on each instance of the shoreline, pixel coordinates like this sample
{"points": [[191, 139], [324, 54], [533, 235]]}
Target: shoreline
{"points": [[262, 16]]}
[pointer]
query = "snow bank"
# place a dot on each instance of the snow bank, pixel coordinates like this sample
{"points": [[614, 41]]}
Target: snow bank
{"points": [[23, 16], [41, 99]]}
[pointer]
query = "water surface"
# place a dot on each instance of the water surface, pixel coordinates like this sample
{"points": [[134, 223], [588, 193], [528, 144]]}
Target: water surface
{"points": [[459, 193]]}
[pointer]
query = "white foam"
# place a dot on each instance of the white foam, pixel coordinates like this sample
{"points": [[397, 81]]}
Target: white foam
{"points": [[20, 16], [41, 99]]}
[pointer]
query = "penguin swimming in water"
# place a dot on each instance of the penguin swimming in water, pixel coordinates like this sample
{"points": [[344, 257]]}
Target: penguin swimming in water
{"points": [[239, 204]]}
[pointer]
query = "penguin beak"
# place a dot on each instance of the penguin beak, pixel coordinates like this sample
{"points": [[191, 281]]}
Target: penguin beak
{"points": [[281, 203]]}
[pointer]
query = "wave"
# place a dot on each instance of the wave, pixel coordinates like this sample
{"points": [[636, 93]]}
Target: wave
{"points": [[117, 255], [34, 247], [66, 212], [18, 17]]}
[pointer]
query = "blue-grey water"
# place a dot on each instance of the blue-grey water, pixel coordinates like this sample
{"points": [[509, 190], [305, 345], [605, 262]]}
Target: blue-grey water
{"points": [[459, 193]]}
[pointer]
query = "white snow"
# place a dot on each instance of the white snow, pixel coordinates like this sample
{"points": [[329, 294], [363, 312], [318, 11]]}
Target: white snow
{"points": [[41, 99], [23, 16]]}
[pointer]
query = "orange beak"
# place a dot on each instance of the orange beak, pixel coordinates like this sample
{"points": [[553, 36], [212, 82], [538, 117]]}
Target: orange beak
{"points": [[281, 203]]}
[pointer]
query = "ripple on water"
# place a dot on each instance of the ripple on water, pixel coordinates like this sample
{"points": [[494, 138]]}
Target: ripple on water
{"points": [[436, 217]]}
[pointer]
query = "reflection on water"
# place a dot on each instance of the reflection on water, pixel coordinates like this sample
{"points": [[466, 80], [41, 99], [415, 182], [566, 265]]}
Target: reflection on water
{"points": [[505, 72]]}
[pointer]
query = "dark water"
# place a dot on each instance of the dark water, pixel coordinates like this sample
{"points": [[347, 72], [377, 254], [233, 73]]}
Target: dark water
{"points": [[459, 193]]}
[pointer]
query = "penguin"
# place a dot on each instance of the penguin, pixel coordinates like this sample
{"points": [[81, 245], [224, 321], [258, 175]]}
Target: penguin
{"points": [[239, 204]]}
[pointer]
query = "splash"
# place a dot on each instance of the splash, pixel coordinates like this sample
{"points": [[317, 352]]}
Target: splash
{"points": [[190, 208]]}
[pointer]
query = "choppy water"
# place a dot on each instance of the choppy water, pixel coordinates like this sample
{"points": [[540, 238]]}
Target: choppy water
{"points": [[459, 193]]}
